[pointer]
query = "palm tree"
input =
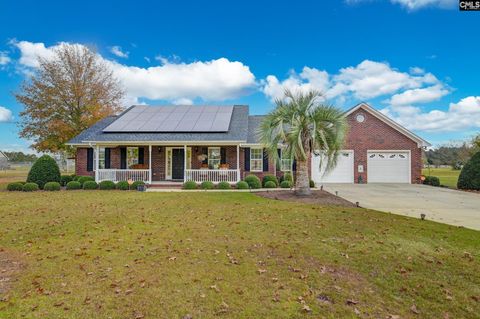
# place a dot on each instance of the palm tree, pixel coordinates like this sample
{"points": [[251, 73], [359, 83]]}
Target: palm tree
{"points": [[302, 125]]}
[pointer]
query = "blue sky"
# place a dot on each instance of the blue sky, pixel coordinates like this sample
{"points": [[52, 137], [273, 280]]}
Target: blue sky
{"points": [[416, 60]]}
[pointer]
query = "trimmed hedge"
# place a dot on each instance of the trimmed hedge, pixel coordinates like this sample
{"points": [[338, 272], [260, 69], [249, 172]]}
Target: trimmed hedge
{"points": [[270, 178], [51, 186], [74, 185], [64, 179], [207, 185], [136, 184], [106, 185], [253, 181], [242, 185], [83, 179], [90, 185], [287, 177], [432, 181], [30, 187], [44, 170], [286, 184], [224, 185], [15, 187], [123, 186], [470, 175], [189, 185], [270, 184]]}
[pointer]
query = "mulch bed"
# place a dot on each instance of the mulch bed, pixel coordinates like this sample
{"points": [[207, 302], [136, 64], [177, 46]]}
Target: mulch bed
{"points": [[318, 197], [9, 267]]}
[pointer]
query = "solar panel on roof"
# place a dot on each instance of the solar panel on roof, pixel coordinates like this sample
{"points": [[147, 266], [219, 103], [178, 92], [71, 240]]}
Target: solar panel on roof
{"points": [[143, 118]]}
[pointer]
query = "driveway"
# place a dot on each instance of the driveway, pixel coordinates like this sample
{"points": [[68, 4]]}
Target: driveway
{"points": [[439, 204]]}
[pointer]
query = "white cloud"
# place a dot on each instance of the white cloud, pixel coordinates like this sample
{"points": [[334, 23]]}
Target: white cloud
{"points": [[5, 115], [415, 96], [117, 50], [460, 116], [182, 101], [369, 79], [413, 5], [213, 80], [4, 58]]}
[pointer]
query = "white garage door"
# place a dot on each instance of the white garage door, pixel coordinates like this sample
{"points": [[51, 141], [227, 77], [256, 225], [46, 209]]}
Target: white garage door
{"points": [[388, 167], [342, 173]]}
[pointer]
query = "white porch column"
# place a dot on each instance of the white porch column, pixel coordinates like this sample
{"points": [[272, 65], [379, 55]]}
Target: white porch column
{"points": [[97, 158], [238, 163], [184, 162], [150, 164]]}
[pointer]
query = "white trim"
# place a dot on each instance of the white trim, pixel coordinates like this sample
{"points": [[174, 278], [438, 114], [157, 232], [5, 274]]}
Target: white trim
{"points": [[420, 141], [97, 158], [169, 166], [238, 163], [150, 164], [158, 143], [184, 162], [261, 152], [394, 151]]}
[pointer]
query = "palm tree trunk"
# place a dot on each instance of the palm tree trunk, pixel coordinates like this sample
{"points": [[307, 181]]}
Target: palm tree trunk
{"points": [[302, 181]]}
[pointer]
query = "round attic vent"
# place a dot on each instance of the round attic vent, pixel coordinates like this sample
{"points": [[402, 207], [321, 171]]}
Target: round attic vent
{"points": [[360, 118]]}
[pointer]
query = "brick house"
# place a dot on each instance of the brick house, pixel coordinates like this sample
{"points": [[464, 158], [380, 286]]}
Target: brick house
{"points": [[220, 143]]}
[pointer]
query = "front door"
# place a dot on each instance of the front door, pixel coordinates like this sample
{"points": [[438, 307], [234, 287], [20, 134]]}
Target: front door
{"points": [[178, 162]]}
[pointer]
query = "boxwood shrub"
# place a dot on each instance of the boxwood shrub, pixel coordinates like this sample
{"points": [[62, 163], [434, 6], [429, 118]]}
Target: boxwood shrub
{"points": [[73, 185], [44, 170], [432, 181], [207, 185], [270, 184], [51, 186], [83, 179], [470, 175], [242, 185], [224, 185], [189, 185], [90, 185], [15, 187], [30, 187], [64, 179], [106, 185], [136, 184], [269, 178], [253, 181], [287, 177], [123, 186], [286, 184]]}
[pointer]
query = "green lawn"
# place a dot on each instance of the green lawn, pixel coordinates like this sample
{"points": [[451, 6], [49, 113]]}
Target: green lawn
{"points": [[447, 176], [112, 254]]}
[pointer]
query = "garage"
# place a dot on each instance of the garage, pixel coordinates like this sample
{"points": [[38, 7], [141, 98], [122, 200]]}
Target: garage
{"points": [[388, 167], [342, 173]]}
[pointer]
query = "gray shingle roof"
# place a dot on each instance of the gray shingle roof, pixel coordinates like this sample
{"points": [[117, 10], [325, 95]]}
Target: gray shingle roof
{"points": [[253, 127], [238, 131]]}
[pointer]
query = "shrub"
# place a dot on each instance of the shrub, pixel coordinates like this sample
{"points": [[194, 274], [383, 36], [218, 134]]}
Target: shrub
{"points": [[287, 177], [432, 180], [51, 186], [30, 187], [270, 184], [90, 185], [224, 185], [136, 184], [312, 184], [64, 179], [83, 179], [73, 185], [15, 187], [470, 175], [106, 185], [44, 170], [253, 181], [123, 186], [242, 185], [269, 178], [286, 184], [207, 185], [189, 185]]}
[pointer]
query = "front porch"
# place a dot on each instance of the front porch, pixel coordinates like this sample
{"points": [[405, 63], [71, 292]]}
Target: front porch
{"points": [[154, 164]]}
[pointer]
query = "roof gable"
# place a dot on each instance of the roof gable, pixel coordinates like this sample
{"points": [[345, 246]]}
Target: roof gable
{"points": [[379, 115]]}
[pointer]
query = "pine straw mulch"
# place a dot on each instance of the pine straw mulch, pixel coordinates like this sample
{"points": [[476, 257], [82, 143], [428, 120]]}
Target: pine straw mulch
{"points": [[320, 197]]}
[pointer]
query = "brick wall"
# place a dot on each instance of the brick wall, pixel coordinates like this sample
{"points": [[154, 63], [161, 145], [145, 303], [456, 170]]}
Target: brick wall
{"points": [[374, 134], [81, 163], [243, 173]]}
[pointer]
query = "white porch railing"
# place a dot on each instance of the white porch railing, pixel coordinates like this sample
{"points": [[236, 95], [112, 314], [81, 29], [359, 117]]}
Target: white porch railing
{"points": [[117, 175], [213, 175]]}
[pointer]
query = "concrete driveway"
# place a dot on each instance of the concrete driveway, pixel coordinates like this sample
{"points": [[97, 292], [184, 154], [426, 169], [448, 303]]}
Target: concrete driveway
{"points": [[439, 204]]}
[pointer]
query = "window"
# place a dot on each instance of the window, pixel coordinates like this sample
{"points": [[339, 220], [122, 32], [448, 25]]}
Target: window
{"points": [[214, 157], [256, 160], [285, 163], [132, 156], [101, 158]]}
